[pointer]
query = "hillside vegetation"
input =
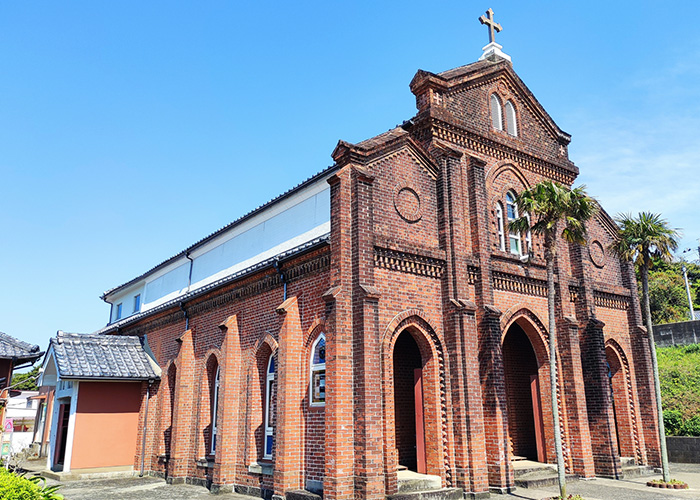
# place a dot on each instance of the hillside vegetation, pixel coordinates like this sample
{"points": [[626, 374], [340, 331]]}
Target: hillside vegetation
{"points": [[679, 372]]}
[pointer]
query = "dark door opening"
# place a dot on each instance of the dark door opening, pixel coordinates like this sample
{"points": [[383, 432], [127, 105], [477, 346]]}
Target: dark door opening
{"points": [[62, 435], [408, 403], [523, 396]]}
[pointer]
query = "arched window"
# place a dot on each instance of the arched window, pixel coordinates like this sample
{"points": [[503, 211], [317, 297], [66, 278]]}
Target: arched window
{"points": [[511, 123], [214, 405], [496, 114], [270, 400], [500, 225], [512, 213], [317, 383]]}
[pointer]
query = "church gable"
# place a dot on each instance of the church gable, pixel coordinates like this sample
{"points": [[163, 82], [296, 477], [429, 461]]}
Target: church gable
{"points": [[404, 188], [488, 98]]}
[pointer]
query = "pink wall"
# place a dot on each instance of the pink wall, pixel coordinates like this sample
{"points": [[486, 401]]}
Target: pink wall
{"points": [[106, 424]]}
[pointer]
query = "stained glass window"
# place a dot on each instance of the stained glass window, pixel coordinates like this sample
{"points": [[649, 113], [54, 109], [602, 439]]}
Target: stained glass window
{"points": [[317, 385]]}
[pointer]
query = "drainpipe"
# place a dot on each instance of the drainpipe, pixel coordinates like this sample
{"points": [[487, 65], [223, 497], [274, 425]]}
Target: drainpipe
{"points": [[145, 427], [187, 317], [282, 277], [189, 278]]}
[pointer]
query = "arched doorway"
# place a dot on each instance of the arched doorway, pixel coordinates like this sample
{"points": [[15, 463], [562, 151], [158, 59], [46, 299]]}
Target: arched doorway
{"points": [[523, 396], [408, 403], [617, 375]]}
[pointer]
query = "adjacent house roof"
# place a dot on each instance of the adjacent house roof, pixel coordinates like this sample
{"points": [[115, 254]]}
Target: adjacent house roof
{"points": [[10, 348], [102, 357]]}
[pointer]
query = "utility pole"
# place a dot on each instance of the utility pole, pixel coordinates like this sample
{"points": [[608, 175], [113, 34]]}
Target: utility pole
{"points": [[687, 291]]}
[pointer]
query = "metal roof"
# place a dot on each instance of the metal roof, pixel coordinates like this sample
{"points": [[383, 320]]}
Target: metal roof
{"points": [[304, 247], [102, 357], [236, 222], [11, 347]]}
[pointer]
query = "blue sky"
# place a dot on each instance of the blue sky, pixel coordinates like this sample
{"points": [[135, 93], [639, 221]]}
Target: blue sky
{"points": [[129, 130]]}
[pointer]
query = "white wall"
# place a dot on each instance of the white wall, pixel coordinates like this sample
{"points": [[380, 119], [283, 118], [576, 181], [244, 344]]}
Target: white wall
{"points": [[282, 226]]}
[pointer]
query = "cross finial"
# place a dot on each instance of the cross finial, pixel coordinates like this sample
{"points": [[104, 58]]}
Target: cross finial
{"points": [[494, 27]]}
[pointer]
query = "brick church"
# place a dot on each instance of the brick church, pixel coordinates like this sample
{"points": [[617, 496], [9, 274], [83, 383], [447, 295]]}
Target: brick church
{"points": [[380, 319]]}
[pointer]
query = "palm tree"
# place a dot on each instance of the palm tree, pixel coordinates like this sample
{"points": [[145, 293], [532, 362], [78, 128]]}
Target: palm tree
{"points": [[641, 239], [553, 210]]}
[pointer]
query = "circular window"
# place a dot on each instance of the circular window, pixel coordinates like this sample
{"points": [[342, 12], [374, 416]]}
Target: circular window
{"points": [[407, 204]]}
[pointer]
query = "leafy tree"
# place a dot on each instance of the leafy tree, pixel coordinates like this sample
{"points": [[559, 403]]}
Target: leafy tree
{"points": [[640, 239], [26, 381], [668, 301], [552, 210]]}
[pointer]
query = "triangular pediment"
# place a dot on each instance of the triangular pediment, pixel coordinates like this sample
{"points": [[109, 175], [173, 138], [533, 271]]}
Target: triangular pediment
{"points": [[382, 147], [436, 90]]}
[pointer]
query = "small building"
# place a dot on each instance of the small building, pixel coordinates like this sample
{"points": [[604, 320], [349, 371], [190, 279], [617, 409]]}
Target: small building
{"points": [[100, 382], [20, 415], [14, 354]]}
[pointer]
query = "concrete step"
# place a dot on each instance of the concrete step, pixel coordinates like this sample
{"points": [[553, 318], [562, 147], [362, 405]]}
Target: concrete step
{"points": [[540, 478], [630, 471], [410, 481], [439, 494]]}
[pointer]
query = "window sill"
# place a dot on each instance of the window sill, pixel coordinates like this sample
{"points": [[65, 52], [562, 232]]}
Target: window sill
{"points": [[258, 468], [207, 463]]}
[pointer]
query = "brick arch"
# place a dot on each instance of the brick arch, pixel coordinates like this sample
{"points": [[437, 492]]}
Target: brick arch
{"points": [[533, 326], [167, 407], [537, 334], [210, 362], [414, 322], [317, 327], [502, 167], [256, 370], [623, 395], [266, 340]]}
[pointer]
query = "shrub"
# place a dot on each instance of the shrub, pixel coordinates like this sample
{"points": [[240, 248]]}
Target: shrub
{"points": [[16, 487], [691, 427], [673, 422]]}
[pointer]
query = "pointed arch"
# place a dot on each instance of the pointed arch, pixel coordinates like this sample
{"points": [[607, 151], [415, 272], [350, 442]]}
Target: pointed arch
{"points": [[413, 322]]}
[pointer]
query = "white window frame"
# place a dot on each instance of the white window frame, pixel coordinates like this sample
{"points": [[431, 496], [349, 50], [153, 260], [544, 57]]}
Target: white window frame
{"points": [[501, 227], [137, 303], [118, 314], [496, 113], [316, 367], [215, 411], [513, 237], [511, 120], [269, 430]]}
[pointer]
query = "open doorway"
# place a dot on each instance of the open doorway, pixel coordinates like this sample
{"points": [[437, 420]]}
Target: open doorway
{"points": [[523, 396], [408, 404]]}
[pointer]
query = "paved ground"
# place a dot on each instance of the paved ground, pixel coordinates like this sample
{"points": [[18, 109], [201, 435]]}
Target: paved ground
{"points": [[148, 488]]}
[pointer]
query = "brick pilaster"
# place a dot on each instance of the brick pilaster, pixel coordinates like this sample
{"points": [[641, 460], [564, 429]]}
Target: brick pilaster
{"points": [[181, 451], [290, 398], [339, 469], [227, 445]]}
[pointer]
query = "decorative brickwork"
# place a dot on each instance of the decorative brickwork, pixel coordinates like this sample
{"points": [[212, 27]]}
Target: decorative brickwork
{"points": [[611, 300], [519, 284], [408, 263]]}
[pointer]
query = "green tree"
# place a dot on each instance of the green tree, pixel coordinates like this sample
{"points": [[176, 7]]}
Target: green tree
{"points": [[668, 302], [26, 381], [642, 238], [552, 211]]}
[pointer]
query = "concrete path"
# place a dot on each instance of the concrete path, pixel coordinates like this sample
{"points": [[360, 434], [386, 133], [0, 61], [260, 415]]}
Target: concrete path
{"points": [[148, 488]]}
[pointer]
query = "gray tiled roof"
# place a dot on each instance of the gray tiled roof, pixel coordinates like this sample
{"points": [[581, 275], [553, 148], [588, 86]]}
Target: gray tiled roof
{"points": [[106, 357], [10, 347]]}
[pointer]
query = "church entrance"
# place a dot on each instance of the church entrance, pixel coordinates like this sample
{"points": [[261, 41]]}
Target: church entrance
{"points": [[523, 396], [620, 403], [408, 404]]}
